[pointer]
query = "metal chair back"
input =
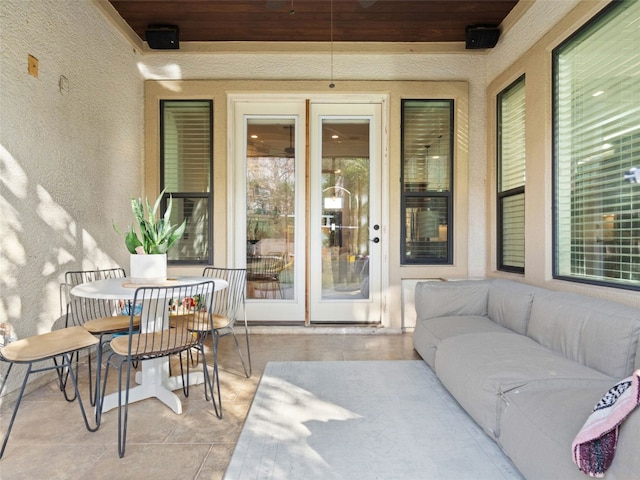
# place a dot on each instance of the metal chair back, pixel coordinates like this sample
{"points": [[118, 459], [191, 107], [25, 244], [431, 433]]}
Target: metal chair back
{"points": [[229, 306]]}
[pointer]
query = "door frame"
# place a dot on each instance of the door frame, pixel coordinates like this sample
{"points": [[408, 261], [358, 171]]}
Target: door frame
{"points": [[234, 171]]}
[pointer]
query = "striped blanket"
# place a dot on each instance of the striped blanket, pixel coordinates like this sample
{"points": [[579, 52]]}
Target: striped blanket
{"points": [[595, 445]]}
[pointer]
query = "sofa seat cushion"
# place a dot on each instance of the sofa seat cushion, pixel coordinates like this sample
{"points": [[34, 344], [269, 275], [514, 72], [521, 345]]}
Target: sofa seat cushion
{"points": [[540, 421], [479, 369], [428, 333]]}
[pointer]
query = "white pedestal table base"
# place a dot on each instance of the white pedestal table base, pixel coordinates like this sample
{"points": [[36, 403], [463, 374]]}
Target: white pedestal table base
{"points": [[154, 382]]}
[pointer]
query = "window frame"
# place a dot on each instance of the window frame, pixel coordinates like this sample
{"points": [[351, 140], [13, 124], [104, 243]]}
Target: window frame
{"points": [[601, 280], [448, 195], [512, 192], [189, 195]]}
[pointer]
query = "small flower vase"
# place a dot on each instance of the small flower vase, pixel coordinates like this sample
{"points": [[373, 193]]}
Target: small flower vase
{"points": [[148, 269]]}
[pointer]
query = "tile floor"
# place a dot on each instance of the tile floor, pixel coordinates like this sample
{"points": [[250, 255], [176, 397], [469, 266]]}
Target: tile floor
{"points": [[49, 439]]}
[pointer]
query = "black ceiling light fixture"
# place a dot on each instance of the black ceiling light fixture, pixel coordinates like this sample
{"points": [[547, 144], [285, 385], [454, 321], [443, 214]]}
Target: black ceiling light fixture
{"points": [[481, 36], [162, 37]]}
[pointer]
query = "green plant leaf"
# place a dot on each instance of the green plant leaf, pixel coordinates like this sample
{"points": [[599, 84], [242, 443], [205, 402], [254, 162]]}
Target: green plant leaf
{"points": [[156, 205], [156, 235], [167, 213], [137, 209], [177, 234], [132, 241]]}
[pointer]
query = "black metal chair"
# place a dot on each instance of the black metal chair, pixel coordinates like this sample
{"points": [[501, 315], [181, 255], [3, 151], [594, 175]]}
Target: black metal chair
{"points": [[228, 305], [102, 318], [154, 338]]}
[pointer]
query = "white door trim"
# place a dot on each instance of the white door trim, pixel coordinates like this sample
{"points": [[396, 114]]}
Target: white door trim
{"points": [[234, 98]]}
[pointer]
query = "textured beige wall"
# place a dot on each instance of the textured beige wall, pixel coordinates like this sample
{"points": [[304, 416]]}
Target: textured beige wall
{"points": [[70, 160]]}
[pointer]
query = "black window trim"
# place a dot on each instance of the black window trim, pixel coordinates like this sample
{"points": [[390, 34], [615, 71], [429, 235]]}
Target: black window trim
{"points": [[178, 195], [554, 168], [449, 195], [507, 193]]}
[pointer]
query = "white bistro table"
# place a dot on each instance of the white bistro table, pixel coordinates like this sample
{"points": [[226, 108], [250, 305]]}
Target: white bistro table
{"points": [[153, 380]]}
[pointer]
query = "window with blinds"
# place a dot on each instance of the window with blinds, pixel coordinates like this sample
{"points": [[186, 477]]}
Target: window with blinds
{"points": [[427, 184], [186, 175], [597, 150], [511, 177]]}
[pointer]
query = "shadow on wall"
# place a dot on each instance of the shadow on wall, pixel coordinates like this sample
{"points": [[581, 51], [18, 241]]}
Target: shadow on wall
{"points": [[40, 240]]}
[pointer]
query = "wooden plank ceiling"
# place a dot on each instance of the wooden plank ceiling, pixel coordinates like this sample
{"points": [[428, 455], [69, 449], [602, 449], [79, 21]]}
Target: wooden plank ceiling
{"points": [[311, 20]]}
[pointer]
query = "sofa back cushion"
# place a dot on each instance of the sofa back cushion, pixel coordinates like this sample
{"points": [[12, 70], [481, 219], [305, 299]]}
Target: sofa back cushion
{"points": [[447, 299], [597, 333], [510, 304]]}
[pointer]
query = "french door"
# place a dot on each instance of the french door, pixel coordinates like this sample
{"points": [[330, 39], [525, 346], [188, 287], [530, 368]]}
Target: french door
{"points": [[307, 208]]}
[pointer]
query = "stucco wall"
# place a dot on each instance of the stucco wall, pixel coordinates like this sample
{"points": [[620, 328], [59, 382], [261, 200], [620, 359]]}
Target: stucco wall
{"points": [[69, 160]]}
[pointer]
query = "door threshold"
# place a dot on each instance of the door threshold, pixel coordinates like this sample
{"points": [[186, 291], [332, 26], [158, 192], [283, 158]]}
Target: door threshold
{"points": [[325, 329]]}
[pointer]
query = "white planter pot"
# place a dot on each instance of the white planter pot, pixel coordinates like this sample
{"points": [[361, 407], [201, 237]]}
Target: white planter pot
{"points": [[148, 269]]}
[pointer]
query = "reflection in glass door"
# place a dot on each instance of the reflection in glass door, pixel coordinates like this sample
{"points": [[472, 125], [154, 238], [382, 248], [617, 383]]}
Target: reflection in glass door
{"points": [[270, 208], [345, 209]]}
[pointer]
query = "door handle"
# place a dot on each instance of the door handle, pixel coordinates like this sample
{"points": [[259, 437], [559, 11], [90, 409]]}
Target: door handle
{"points": [[375, 239]]}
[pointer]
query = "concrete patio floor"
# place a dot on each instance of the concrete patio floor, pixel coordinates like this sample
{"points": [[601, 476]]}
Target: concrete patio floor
{"points": [[49, 439]]}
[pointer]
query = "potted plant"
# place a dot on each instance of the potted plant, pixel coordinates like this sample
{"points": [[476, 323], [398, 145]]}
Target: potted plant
{"points": [[149, 244], [254, 234]]}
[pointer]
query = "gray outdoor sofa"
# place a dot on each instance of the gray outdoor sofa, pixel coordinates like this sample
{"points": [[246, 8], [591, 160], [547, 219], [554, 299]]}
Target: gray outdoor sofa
{"points": [[529, 365]]}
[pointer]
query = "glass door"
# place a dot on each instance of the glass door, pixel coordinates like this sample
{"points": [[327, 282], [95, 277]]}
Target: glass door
{"points": [[269, 208], [306, 206], [345, 213]]}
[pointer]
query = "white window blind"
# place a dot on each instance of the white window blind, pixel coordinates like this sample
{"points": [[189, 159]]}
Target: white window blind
{"points": [[186, 165], [426, 145], [187, 146], [512, 251], [597, 146], [427, 164], [511, 177]]}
